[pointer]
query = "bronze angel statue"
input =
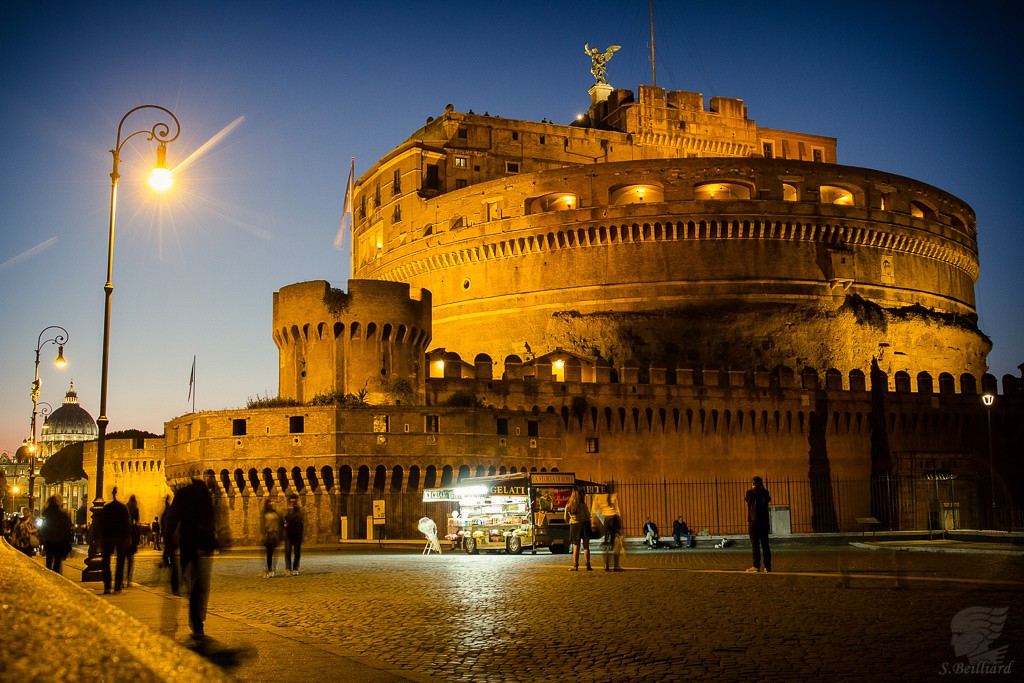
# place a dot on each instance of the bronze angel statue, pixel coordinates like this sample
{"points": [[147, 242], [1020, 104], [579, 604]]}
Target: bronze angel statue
{"points": [[598, 60]]}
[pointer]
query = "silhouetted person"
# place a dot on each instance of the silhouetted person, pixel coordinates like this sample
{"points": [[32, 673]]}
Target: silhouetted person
{"points": [[57, 533], [294, 529], [154, 529], [273, 525], [115, 535], [193, 522], [757, 500], [170, 556], [134, 538]]}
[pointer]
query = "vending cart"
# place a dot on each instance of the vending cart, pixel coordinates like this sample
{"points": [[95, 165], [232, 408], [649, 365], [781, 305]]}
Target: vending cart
{"points": [[509, 512]]}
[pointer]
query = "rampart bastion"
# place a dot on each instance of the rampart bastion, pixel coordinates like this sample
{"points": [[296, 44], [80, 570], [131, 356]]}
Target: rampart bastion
{"points": [[642, 245]]}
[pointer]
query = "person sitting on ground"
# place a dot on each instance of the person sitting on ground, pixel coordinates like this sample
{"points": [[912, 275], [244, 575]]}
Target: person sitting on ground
{"points": [[651, 534], [681, 533]]}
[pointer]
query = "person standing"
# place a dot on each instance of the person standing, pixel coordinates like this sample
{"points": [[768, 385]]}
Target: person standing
{"points": [[115, 535], [154, 528], [294, 529], [57, 533], [757, 499], [170, 550], [577, 516], [192, 521], [272, 527], [134, 538], [606, 510]]}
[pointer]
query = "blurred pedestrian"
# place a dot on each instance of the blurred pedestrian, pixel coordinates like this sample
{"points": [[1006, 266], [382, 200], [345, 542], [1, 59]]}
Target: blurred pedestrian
{"points": [[757, 499], [115, 535], [606, 510], [272, 527], [134, 538], [192, 521], [24, 535], [57, 533], [577, 516], [294, 529], [170, 554]]}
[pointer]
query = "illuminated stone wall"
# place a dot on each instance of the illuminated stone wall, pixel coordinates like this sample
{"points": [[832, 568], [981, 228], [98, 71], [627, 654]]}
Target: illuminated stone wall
{"points": [[370, 340]]}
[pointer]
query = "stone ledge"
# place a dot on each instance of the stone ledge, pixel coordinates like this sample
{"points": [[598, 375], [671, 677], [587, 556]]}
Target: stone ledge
{"points": [[56, 631]]}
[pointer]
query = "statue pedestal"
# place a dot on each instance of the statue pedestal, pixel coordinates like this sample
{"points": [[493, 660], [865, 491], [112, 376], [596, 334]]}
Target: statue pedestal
{"points": [[599, 92]]}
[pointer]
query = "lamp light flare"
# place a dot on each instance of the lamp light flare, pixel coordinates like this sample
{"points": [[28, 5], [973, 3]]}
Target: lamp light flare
{"points": [[209, 143], [160, 179]]}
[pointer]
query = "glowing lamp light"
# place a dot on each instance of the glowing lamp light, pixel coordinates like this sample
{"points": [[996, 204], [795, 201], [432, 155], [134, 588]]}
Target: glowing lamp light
{"points": [[439, 365], [15, 489], [160, 177], [60, 362], [559, 364], [579, 117], [988, 399]]}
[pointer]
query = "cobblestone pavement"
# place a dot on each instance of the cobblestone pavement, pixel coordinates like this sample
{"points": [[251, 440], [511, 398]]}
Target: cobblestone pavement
{"points": [[824, 614]]}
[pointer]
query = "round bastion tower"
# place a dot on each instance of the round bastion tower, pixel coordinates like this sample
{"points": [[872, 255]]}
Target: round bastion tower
{"points": [[656, 231], [370, 342]]}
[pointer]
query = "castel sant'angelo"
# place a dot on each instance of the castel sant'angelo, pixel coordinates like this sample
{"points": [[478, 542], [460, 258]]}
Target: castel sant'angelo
{"points": [[661, 290]]}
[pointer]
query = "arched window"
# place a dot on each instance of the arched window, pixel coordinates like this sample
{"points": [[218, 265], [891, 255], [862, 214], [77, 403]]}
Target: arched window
{"points": [[830, 194], [380, 476], [553, 201], [790, 193], [397, 475], [636, 194], [721, 191], [902, 380]]}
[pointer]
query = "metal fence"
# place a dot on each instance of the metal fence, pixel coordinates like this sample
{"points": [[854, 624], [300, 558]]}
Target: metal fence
{"points": [[816, 505], [799, 505]]}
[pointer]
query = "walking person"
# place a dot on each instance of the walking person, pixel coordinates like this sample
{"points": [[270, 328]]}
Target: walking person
{"points": [[577, 515], [294, 529], [272, 527], [757, 499], [170, 551], [134, 538], [57, 533], [115, 535], [606, 509], [192, 521]]}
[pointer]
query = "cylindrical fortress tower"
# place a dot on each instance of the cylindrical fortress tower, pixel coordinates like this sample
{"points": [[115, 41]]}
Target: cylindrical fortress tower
{"points": [[740, 262], [370, 341]]}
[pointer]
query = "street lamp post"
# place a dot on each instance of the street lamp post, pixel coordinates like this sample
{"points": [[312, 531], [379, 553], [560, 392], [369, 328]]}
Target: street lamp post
{"points": [[60, 339], [160, 180], [988, 399]]}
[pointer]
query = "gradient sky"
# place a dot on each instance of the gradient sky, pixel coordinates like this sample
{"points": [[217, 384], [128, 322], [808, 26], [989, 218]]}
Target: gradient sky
{"points": [[922, 89]]}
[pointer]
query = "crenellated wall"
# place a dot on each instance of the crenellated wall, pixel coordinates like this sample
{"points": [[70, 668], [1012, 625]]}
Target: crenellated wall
{"points": [[368, 341]]}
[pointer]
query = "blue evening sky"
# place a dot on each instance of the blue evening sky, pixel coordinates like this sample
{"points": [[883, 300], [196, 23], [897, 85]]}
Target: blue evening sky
{"points": [[922, 89]]}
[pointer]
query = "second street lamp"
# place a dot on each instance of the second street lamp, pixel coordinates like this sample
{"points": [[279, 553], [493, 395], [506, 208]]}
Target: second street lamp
{"points": [[163, 133], [60, 339]]}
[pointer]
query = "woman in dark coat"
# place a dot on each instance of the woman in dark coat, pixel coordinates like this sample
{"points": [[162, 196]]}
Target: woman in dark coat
{"points": [[56, 533]]}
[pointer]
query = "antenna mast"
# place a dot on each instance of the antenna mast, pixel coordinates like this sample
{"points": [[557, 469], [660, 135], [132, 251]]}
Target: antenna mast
{"points": [[654, 77]]}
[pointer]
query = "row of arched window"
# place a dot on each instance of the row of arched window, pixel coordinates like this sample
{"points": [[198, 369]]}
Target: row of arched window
{"points": [[361, 480]]}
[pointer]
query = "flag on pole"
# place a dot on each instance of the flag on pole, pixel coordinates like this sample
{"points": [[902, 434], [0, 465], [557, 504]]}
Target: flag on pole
{"points": [[346, 213], [191, 379]]}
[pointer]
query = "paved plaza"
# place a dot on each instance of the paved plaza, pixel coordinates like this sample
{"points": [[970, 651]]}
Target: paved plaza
{"points": [[826, 613]]}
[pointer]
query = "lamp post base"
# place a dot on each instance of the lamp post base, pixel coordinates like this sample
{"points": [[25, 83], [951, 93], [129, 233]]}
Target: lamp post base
{"points": [[94, 562]]}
